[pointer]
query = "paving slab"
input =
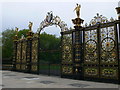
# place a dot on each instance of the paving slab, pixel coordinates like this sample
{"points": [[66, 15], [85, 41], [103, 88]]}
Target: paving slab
{"points": [[12, 79]]}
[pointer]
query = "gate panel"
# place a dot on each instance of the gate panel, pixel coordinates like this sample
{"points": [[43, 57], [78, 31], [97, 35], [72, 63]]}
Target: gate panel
{"points": [[24, 62], [109, 55], [50, 62], [91, 52], [18, 59], [100, 51], [109, 72], [67, 55], [108, 46], [34, 55], [91, 72]]}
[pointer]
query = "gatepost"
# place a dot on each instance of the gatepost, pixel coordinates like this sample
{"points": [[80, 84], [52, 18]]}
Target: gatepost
{"points": [[78, 43]]}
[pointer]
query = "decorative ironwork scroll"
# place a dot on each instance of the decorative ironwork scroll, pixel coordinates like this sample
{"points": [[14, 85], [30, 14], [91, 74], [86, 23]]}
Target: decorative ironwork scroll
{"points": [[100, 49], [67, 54], [99, 19], [52, 20], [108, 46], [91, 50], [91, 71], [18, 59], [67, 48], [109, 73], [67, 69], [34, 58], [24, 47]]}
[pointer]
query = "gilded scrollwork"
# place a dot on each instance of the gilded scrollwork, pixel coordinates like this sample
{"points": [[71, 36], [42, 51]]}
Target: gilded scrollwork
{"points": [[34, 67], [108, 46], [90, 52], [99, 19], [111, 73], [67, 49], [18, 53], [23, 66], [91, 71], [52, 20], [35, 51], [67, 69], [24, 45], [18, 66]]}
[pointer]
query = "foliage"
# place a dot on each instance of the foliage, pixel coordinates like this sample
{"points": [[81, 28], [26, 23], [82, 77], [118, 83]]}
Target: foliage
{"points": [[49, 44], [22, 32], [50, 57], [7, 41]]}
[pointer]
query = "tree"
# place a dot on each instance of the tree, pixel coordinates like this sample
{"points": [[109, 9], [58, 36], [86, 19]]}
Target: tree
{"points": [[7, 41], [49, 44]]}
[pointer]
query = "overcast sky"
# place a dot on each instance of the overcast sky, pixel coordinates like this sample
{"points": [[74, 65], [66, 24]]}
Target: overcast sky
{"points": [[18, 14]]}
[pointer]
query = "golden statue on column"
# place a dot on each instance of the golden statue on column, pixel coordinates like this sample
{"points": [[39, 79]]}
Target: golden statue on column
{"points": [[16, 30], [77, 9], [30, 33], [30, 26], [16, 33], [77, 21]]}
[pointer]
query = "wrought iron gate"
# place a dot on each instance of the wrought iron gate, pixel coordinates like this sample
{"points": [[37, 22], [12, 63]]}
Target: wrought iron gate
{"points": [[26, 54], [67, 55], [47, 65], [101, 51], [92, 52]]}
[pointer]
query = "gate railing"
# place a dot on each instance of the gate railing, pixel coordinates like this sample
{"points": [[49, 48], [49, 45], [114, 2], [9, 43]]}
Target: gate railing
{"points": [[94, 52], [101, 51], [26, 53]]}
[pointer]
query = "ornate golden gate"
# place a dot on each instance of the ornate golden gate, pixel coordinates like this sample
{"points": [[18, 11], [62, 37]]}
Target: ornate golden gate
{"points": [[26, 53], [101, 50], [92, 52], [89, 52]]}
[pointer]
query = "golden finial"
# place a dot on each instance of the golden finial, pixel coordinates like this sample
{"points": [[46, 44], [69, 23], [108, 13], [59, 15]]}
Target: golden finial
{"points": [[77, 8], [16, 30], [30, 26]]}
